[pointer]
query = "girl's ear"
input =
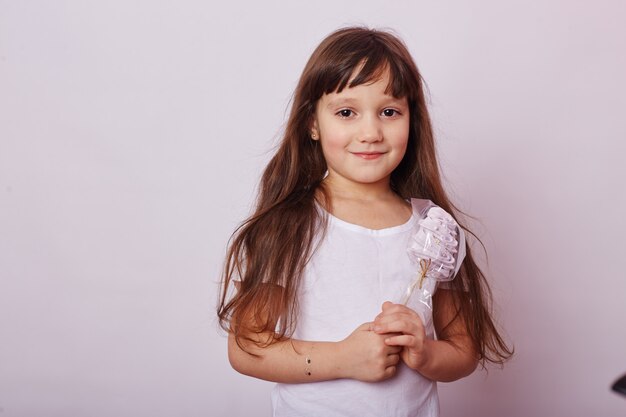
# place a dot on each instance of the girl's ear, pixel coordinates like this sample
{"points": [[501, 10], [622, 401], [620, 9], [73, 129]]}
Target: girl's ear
{"points": [[315, 134]]}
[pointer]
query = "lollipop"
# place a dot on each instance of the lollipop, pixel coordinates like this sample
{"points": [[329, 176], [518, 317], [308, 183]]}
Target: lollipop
{"points": [[433, 247]]}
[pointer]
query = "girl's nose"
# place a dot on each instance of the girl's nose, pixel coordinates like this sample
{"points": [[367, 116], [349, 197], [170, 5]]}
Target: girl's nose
{"points": [[371, 130]]}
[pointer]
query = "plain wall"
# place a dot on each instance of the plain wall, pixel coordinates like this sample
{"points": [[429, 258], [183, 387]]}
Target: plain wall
{"points": [[132, 137]]}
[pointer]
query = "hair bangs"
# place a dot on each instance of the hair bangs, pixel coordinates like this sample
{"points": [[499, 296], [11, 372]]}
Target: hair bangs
{"points": [[368, 65], [374, 70]]}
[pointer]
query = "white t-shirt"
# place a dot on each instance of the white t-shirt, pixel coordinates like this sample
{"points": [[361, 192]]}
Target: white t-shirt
{"points": [[352, 273]]}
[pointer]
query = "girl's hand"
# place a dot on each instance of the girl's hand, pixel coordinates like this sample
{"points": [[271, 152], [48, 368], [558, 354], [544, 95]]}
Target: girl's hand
{"points": [[397, 318], [366, 356]]}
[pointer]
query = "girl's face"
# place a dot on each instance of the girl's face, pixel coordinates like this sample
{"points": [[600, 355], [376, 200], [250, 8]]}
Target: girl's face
{"points": [[363, 133]]}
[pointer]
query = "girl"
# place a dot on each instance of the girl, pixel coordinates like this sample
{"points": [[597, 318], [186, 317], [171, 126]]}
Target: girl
{"points": [[313, 278]]}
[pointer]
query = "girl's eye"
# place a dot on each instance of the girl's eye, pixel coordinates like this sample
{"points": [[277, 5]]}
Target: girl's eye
{"points": [[390, 112], [345, 113]]}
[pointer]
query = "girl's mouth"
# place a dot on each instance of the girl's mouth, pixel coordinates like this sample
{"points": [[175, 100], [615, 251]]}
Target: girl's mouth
{"points": [[368, 155]]}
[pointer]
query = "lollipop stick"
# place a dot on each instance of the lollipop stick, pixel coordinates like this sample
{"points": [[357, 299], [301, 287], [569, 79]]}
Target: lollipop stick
{"points": [[424, 264]]}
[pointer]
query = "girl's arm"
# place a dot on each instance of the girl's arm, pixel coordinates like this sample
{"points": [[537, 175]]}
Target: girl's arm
{"points": [[363, 355], [449, 358]]}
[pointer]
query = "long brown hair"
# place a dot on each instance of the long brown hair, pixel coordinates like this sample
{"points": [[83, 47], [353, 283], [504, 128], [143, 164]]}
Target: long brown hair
{"points": [[269, 251]]}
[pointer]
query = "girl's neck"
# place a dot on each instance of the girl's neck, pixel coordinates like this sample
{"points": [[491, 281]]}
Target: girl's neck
{"points": [[366, 193], [373, 206]]}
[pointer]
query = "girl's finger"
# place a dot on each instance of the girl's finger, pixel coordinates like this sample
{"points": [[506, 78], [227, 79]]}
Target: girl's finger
{"points": [[389, 307], [394, 350], [392, 360], [404, 311], [401, 324], [388, 318], [397, 326], [406, 340], [390, 371]]}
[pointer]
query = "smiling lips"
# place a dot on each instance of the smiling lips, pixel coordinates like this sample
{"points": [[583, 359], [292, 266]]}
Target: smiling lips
{"points": [[368, 155]]}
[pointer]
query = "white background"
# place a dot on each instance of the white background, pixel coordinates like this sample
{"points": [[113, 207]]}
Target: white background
{"points": [[132, 136]]}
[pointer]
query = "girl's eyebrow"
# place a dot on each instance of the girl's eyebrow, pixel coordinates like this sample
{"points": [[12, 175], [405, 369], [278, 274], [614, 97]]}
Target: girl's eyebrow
{"points": [[397, 101], [338, 102]]}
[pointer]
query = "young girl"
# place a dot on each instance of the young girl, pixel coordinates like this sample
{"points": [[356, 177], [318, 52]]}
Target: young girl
{"points": [[313, 280]]}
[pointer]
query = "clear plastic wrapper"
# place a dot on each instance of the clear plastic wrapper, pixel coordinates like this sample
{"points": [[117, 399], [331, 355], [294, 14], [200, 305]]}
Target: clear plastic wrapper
{"points": [[437, 248]]}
